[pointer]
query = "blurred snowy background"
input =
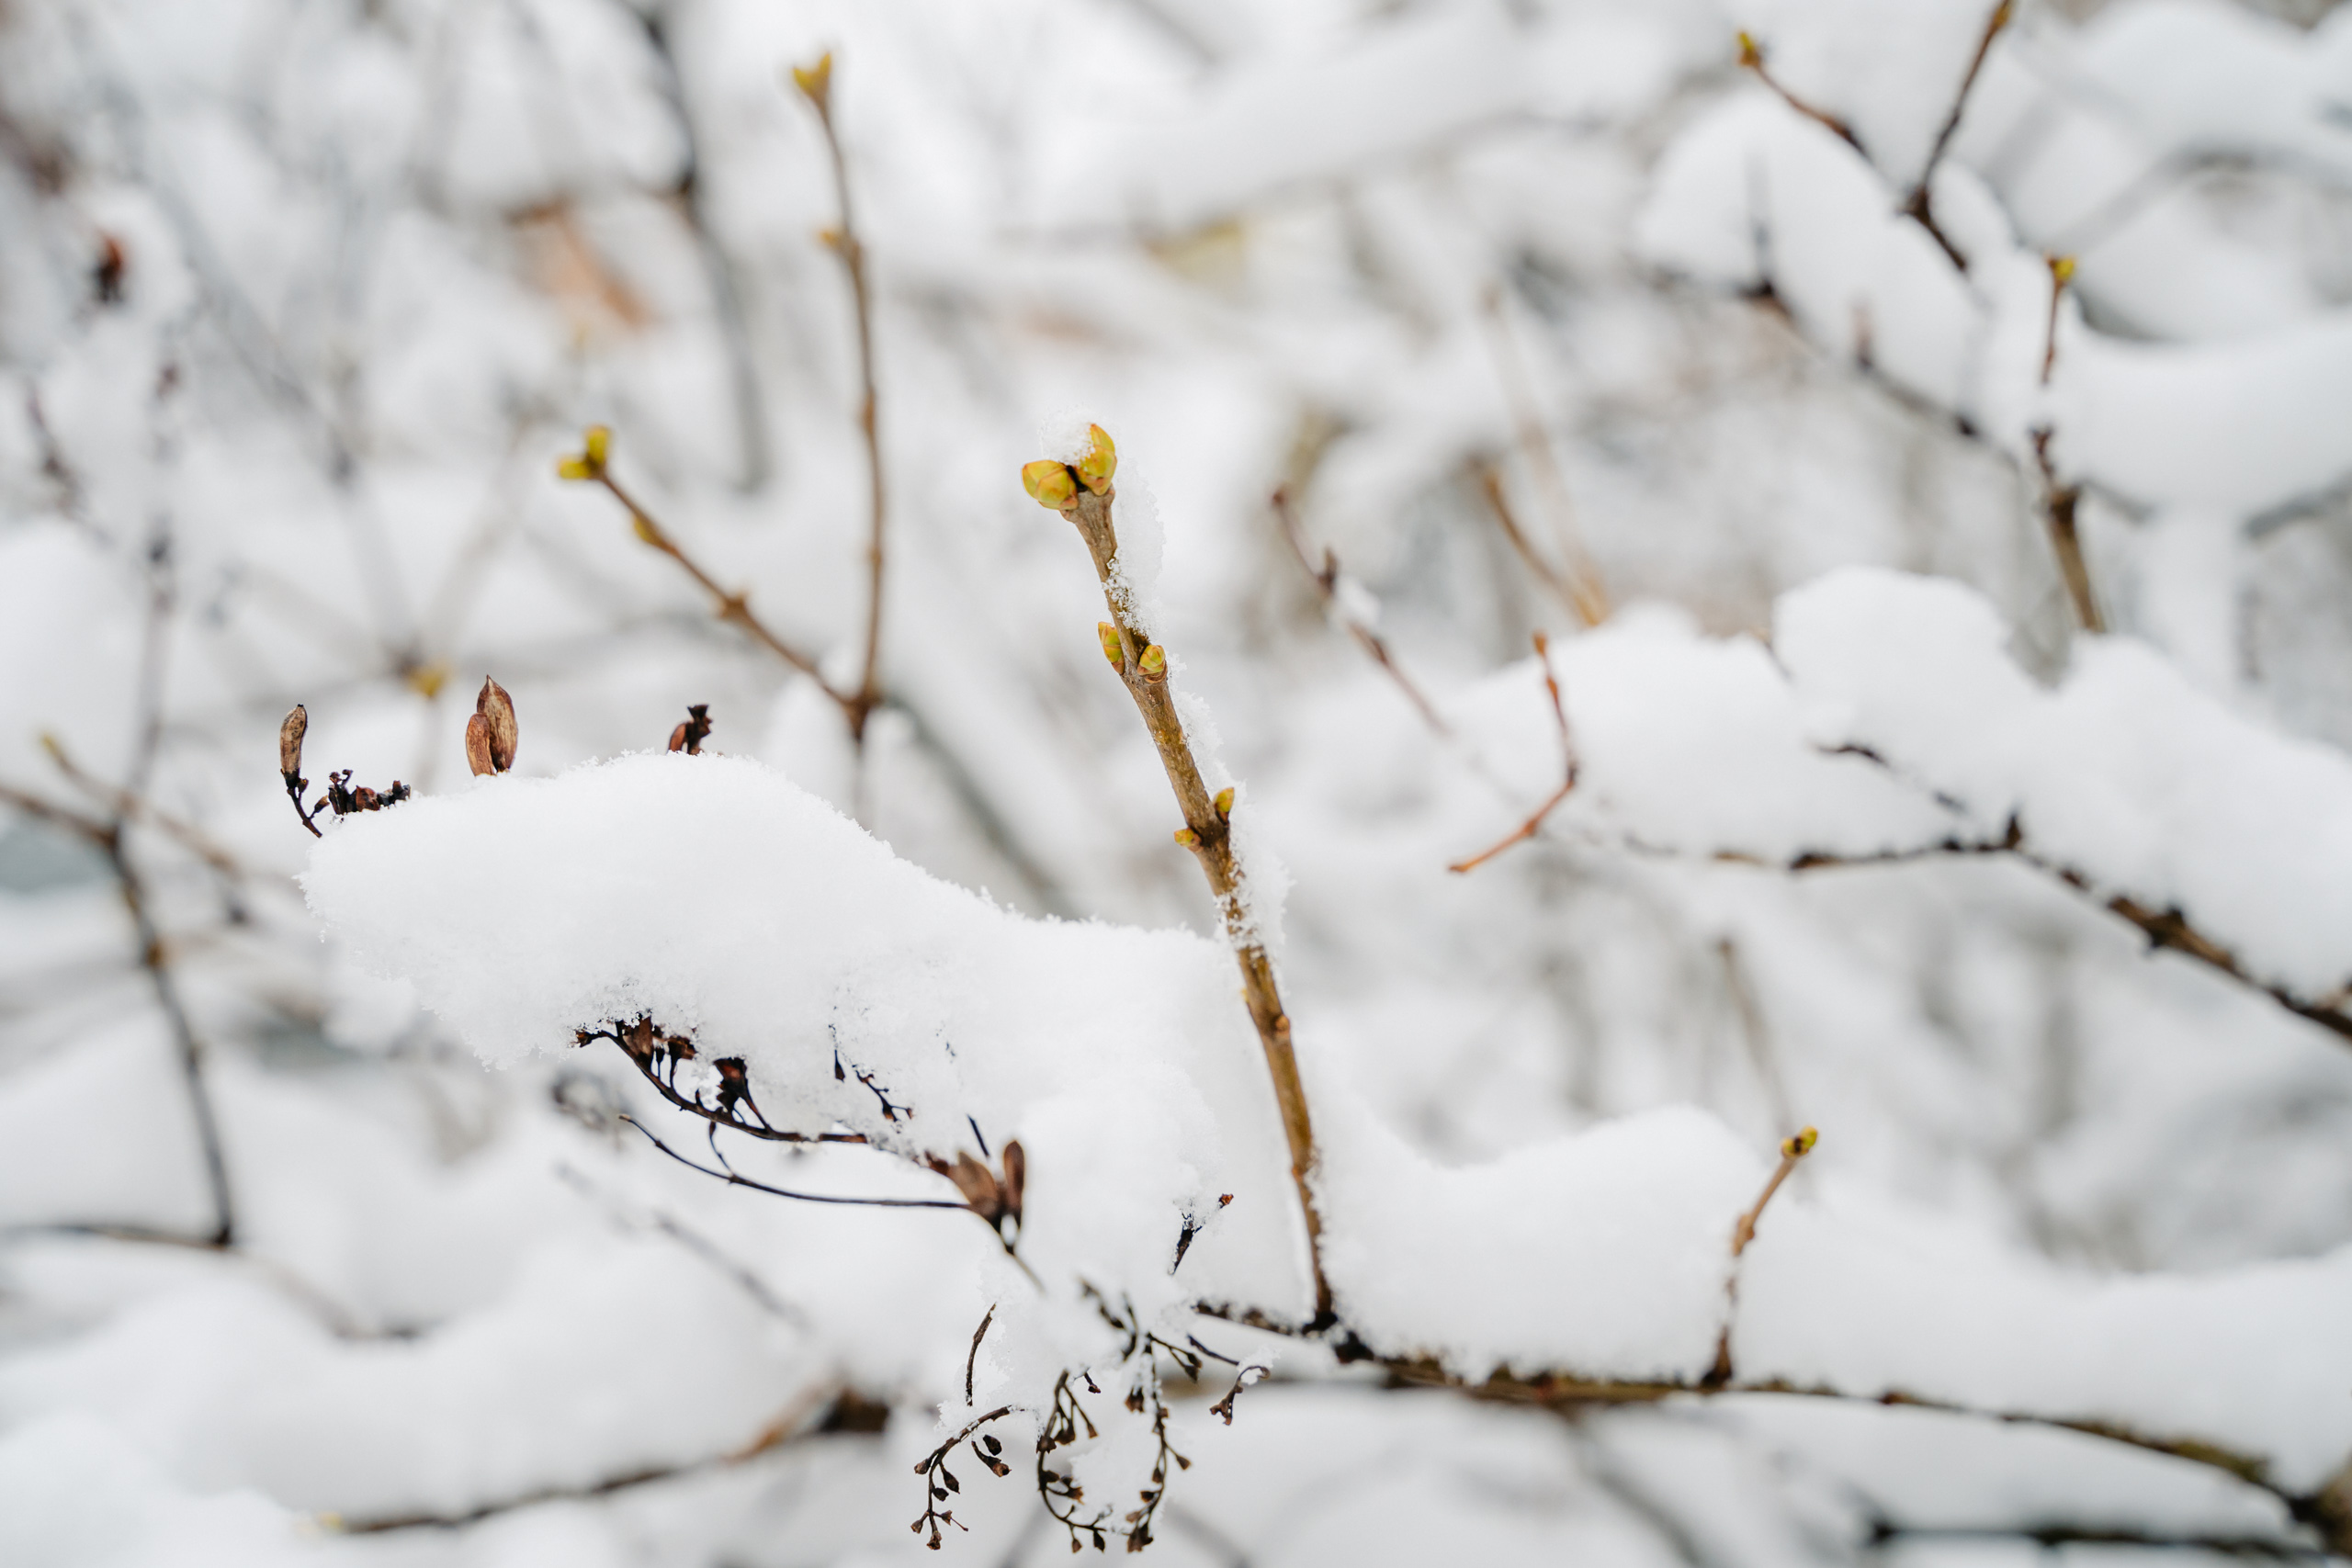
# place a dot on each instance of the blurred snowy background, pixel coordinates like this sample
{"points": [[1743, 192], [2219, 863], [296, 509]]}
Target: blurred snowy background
{"points": [[299, 304]]}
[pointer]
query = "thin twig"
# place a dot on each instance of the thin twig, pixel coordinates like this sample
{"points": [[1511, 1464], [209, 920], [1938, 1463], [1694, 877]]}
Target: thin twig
{"points": [[734, 1179], [2060, 502], [695, 1242], [734, 608], [1581, 591], [816, 85], [1793, 1150], [1326, 579], [1527, 830], [790, 1427], [123, 804], [1490, 482], [1143, 670], [1751, 57], [2167, 928], [718, 267], [972, 1360], [1920, 204]]}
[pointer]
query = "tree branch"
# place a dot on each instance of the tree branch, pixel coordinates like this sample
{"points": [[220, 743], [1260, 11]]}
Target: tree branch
{"points": [[1143, 670], [816, 85], [1326, 583]]}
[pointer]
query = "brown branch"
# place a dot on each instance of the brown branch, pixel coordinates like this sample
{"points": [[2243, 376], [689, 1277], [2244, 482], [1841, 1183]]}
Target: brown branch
{"points": [[136, 807], [790, 1427], [1326, 579], [1919, 205], [816, 85], [1581, 593], [1527, 830], [2059, 504], [732, 607], [734, 1179], [1491, 483], [1751, 57], [972, 1359], [1143, 670], [2167, 928]]}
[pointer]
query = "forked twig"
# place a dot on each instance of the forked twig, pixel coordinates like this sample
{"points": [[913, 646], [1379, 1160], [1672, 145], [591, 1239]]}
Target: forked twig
{"points": [[1326, 579], [1527, 830], [1581, 593], [1919, 205]]}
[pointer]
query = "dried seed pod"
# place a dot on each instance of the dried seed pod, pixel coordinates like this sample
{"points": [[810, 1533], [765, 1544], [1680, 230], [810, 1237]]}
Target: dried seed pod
{"points": [[498, 708], [1112, 649], [1099, 462], [678, 739], [1016, 1176], [289, 741], [478, 753], [1049, 483]]}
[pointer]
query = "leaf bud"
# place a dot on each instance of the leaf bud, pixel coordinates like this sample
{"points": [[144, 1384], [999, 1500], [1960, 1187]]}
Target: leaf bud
{"points": [[1800, 1145], [290, 741], [816, 82], [1187, 838], [1153, 662], [1749, 55], [1225, 801], [498, 708], [1100, 461], [2062, 271], [588, 463], [1112, 649], [477, 755], [1049, 483]]}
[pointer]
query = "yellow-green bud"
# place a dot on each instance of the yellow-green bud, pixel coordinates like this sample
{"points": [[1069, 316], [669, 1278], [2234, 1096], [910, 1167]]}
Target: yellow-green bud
{"points": [[1100, 461], [1225, 801], [1187, 838], [2062, 270], [816, 82], [1111, 648], [1153, 662], [1049, 483], [1749, 55], [588, 463], [1800, 1145]]}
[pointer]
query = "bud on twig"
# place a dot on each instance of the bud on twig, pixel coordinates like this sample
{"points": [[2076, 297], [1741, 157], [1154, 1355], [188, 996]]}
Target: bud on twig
{"points": [[1112, 649], [1050, 483], [289, 741], [496, 706], [1153, 663], [588, 463], [1225, 801], [2062, 271], [1800, 1145], [1099, 462], [1187, 838], [816, 82]]}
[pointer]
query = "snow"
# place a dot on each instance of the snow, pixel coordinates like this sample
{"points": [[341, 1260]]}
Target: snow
{"points": [[381, 264]]}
